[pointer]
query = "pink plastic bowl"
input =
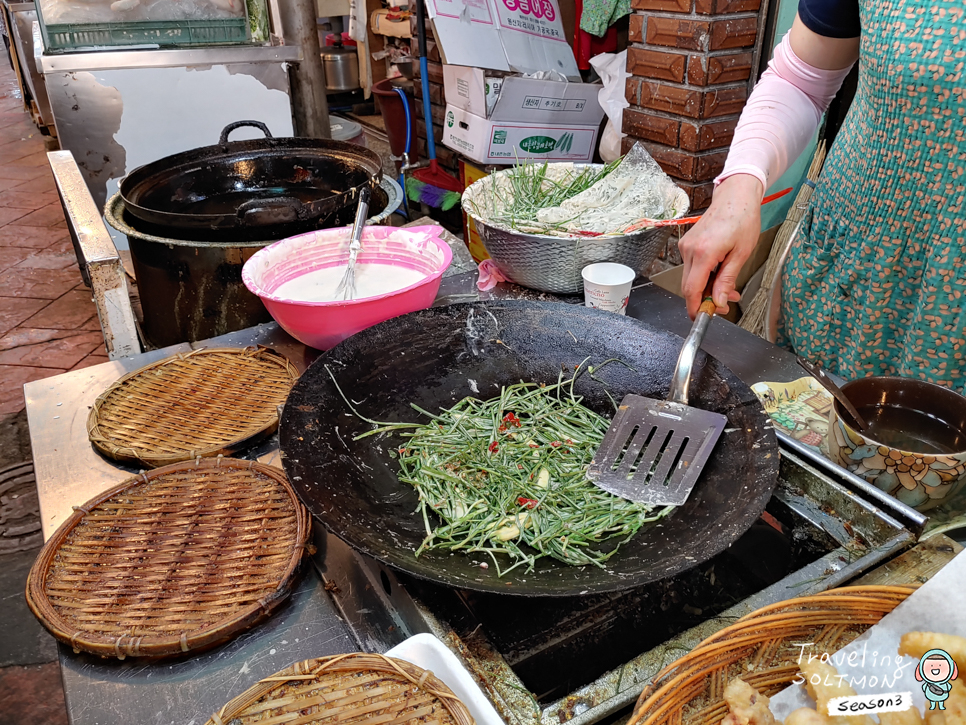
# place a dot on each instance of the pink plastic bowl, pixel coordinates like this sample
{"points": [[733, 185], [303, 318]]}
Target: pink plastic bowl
{"points": [[323, 325]]}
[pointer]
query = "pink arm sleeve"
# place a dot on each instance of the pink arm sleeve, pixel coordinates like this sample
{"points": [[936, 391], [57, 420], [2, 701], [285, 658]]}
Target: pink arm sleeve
{"points": [[780, 117]]}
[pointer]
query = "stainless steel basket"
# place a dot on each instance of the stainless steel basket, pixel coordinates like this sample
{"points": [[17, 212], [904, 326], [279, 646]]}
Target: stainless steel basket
{"points": [[553, 264]]}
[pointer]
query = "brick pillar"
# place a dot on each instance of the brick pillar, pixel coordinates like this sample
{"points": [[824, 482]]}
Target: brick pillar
{"points": [[691, 63]]}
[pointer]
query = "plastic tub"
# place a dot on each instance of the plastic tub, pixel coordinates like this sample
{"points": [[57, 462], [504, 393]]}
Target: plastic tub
{"points": [[323, 325], [394, 114], [345, 130]]}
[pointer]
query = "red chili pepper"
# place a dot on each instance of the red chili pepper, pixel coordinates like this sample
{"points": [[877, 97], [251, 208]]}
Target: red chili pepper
{"points": [[529, 503], [555, 444], [502, 428], [494, 447]]}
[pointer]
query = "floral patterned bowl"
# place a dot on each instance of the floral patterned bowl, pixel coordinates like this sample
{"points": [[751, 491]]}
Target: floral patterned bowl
{"points": [[921, 480]]}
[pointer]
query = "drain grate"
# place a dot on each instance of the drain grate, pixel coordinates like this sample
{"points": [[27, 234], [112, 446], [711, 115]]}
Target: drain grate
{"points": [[19, 509]]}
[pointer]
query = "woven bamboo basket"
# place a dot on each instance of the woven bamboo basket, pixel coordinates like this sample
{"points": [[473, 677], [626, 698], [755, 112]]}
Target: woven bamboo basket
{"points": [[763, 649], [347, 689], [203, 403], [175, 560]]}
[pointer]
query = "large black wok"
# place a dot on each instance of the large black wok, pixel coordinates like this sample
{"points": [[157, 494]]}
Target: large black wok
{"points": [[246, 186], [434, 358]]}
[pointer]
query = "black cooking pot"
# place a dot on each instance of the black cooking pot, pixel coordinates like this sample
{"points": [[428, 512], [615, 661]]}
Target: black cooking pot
{"points": [[246, 186]]}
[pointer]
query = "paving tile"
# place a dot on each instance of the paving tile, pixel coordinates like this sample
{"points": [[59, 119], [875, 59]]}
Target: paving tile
{"points": [[14, 310], [62, 353], [47, 259], [42, 182], [9, 171], [34, 237], [92, 324], [13, 153], [48, 284], [69, 312], [27, 199], [12, 379], [7, 184], [11, 214], [20, 336], [32, 694], [10, 256], [90, 361], [37, 159], [62, 246], [46, 216]]}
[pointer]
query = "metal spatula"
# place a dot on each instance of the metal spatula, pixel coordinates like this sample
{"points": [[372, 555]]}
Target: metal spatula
{"points": [[655, 450]]}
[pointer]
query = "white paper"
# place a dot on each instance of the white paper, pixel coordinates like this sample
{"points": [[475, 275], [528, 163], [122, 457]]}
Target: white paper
{"points": [[937, 606]]}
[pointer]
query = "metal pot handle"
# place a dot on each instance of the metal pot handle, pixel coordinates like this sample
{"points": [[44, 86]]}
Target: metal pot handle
{"points": [[277, 210], [238, 124]]}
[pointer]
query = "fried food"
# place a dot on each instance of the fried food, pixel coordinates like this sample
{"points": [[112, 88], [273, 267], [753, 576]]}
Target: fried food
{"points": [[806, 716], [935, 717], [823, 683], [916, 644], [956, 703], [906, 717], [747, 706]]}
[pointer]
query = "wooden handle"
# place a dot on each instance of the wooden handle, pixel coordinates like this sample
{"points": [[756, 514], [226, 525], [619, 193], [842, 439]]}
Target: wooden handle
{"points": [[708, 306]]}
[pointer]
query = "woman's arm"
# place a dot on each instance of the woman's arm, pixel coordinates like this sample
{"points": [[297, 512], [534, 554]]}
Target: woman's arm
{"points": [[778, 121]]}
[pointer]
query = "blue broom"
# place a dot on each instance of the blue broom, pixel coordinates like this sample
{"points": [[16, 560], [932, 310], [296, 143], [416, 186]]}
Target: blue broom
{"points": [[430, 185]]}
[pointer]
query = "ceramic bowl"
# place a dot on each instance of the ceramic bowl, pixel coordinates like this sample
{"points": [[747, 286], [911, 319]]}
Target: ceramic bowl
{"points": [[920, 479]]}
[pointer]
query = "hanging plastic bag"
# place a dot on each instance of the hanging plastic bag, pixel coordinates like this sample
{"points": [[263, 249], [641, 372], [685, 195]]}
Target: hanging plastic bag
{"points": [[612, 69]]}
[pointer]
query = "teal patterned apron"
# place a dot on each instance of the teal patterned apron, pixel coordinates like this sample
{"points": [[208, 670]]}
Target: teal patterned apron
{"points": [[875, 282]]}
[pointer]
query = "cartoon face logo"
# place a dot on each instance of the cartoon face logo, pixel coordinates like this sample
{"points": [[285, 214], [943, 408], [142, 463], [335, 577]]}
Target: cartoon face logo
{"points": [[936, 671]]}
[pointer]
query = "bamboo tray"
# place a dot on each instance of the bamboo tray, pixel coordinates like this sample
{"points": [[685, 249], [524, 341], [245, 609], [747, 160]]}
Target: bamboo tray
{"points": [[762, 648], [175, 560], [347, 689], [203, 403]]}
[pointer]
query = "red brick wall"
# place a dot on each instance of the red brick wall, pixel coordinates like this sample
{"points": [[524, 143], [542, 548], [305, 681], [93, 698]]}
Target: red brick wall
{"points": [[444, 156], [691, 63]]}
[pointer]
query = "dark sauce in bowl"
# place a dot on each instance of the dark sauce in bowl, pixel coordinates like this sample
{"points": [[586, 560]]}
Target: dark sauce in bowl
{"points": [[911, 430]]}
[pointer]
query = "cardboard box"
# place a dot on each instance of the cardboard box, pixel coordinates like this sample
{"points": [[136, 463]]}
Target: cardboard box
{"points": [[495, 142], [523, 36], [525, 100], [468, 174]]}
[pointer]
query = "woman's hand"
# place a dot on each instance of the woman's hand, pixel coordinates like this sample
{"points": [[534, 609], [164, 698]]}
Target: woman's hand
{"points": [[724, 237]]}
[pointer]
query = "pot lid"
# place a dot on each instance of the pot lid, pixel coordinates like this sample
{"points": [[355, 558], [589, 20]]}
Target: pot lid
{"points": [[336, 52], [343, 129]]}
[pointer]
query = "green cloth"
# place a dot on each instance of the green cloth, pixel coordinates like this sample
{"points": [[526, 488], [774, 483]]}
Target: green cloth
{"points": [[875, 281], [598, 15]]}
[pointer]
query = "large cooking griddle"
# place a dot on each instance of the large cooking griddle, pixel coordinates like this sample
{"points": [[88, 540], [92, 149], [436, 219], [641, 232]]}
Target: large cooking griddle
{"points": [[434, 358]]}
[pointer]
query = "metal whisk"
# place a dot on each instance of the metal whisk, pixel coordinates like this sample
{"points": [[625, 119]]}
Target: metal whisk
{"points": [[347, 287]]}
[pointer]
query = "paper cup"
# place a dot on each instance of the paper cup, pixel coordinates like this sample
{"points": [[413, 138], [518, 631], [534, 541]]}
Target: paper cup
{"points": [[607, 286]]}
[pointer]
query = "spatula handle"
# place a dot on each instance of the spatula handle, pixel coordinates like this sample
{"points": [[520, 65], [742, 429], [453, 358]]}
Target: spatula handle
{"points": [[681, 381], [708, 306]]}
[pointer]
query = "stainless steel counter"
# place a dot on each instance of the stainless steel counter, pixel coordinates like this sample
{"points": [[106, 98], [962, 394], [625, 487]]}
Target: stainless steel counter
{"points": [[69, 472]]}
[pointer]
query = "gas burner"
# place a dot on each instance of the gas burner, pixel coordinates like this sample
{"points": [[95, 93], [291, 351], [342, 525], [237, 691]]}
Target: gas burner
{"points": [[814, 535]]}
